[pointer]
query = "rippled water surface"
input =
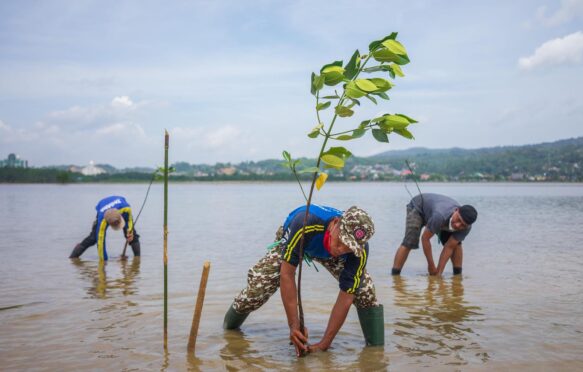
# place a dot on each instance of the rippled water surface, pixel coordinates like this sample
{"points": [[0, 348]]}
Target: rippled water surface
{"points": [[518, 304]]}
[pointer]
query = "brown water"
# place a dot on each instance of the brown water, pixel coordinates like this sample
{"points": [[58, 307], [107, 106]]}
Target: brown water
{"points": [[517, 305]]}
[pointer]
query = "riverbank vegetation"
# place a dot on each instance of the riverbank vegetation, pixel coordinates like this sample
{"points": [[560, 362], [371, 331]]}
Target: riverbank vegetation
{"points": [[560, 161]]}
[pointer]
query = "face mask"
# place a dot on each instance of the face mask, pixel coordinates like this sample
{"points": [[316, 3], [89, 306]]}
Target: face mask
{"points": [[327, 241]]}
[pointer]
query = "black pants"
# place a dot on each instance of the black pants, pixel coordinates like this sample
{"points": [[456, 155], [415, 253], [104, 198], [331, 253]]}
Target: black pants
{"points": [[91, 240]]}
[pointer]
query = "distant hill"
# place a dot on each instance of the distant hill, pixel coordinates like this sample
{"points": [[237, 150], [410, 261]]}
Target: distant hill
{"points": [[554, 161], [559, 160]]}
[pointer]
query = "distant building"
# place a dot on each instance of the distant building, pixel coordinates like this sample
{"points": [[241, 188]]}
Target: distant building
{"points": [[13, 161], [92, 170], [227, 171]]}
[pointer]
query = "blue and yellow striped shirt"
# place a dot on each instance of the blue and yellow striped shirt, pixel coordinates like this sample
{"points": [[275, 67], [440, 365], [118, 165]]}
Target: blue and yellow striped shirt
{"points": [[318, 220]]}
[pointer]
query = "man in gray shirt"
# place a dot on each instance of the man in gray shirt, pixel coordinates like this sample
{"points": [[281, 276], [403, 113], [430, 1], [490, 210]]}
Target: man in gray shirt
{"points": [[441, 216]]}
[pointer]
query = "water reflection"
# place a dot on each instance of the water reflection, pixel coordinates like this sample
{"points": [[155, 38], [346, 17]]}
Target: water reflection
{"points": [[240, 354], [96, 274], [438, 321]]}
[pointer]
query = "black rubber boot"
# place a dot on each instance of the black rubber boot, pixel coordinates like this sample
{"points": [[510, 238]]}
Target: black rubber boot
{"points": [[135, 248], [77, 251], [233, 319], [372, 322]]}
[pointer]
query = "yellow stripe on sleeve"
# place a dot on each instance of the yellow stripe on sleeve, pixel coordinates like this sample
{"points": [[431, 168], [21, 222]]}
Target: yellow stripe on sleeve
{"points": [[101, 239], [297, 237], [358, 273], [128, 210]]}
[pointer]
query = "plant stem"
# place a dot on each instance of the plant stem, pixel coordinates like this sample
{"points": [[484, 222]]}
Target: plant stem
{"points": [[309, 201], [166, 145]]}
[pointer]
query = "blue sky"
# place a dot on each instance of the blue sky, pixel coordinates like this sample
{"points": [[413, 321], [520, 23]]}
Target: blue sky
{"points": [[100, 80]]}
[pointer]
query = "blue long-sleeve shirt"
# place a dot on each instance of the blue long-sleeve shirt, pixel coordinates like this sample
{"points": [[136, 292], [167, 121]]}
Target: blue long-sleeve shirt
{"points": [[119, 203], [318, 220]]}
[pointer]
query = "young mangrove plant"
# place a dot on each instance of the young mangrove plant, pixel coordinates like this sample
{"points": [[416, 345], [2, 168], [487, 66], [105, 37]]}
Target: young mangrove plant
{"points": [[341, 87]]}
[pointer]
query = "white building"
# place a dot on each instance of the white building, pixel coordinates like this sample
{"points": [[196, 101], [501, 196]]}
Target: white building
{"points": [[92, 170]]}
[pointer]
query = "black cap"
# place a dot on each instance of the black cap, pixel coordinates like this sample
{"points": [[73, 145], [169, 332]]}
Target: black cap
{"points": [[468, 213]]}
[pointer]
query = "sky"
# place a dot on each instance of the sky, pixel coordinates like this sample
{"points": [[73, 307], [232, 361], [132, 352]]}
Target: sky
{"points": [[100, 81]]}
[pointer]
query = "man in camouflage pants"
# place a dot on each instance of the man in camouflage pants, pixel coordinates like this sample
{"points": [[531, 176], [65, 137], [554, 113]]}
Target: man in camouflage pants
{"points": [[338, 241]]}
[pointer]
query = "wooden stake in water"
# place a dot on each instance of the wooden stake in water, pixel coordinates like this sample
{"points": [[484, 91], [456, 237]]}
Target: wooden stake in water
{"points": [[198, 307], [166, 144]]}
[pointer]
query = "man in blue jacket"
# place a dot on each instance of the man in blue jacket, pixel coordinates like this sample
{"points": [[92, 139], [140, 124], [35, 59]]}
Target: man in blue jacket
{"points": [[338, 241], [112, 211]]}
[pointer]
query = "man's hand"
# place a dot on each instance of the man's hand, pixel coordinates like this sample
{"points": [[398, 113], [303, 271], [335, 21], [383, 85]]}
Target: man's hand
{"points": [[320, 346], [130, 236], [432, 269], [298, 339]]}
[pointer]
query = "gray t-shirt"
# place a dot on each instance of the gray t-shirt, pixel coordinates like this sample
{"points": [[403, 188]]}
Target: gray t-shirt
{"points": [[436, 210]]}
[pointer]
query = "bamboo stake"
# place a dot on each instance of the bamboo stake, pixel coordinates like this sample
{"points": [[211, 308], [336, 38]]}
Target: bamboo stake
{"points": [[198, 307], [166, 145]]}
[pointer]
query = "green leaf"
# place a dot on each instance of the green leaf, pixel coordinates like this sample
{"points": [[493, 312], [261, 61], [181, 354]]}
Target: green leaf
{"points": [[412, 121], [372, 46], [333, 73], [372, 99], [405, 133], [339, 151], [397, 70], [377, 68], [352, 90], [385, 55], [343, 111], [331, 97], [365, 85], [380, 135], [315, 131], [317, 83], [395, 47], [286, 156], [363, 124], [357, 133], [335, 63], [395, 121], [333, 161], [383, 95], [309, 170], [382, 84], [322, 106], [352, 67]]}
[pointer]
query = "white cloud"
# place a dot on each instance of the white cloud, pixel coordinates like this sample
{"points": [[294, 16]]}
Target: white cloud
{"points": [[98, 117], [222, 136], [123, 101], [129, 130], [4, 127], [569, 10], [568, 49]]}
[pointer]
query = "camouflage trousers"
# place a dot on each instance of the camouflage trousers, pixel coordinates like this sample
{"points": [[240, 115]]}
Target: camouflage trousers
{"points": [[263, 282]]}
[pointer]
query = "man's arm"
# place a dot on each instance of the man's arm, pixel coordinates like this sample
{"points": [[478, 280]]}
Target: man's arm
{"points": [[289, 297], [337, 318], [446, 253], [426, 242]]}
